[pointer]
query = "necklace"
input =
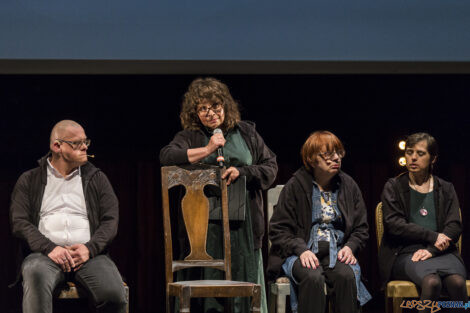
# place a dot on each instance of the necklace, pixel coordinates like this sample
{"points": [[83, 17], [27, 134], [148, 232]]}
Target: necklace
{"points": [[423, 212], [415, 186]]}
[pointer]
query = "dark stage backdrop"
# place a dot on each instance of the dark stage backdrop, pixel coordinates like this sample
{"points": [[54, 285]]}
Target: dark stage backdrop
{"points": [[130, 118]]}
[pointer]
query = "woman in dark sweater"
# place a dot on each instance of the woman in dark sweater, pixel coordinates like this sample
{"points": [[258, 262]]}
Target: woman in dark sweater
{"points": [[208, 106], [318, 226], [422, 225]]}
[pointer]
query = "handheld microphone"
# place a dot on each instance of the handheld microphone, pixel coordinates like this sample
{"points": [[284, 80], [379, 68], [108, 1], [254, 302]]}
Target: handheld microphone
{"points": [[220, 151]]}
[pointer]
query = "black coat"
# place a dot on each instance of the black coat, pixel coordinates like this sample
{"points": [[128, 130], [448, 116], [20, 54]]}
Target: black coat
{"points": [[101, 204], [289, 228], [400, 233], [259, 176]]}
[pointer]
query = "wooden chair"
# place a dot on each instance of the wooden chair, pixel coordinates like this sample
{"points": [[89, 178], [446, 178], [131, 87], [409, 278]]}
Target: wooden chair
{"points": [[279, 290], [71, 292], [396, 290], [195, 213]]}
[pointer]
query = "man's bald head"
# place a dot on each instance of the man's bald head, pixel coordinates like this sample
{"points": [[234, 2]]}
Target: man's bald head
{"points": [[60, 129]]}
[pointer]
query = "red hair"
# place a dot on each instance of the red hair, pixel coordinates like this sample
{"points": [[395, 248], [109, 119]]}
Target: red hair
{"points": [[315, 142]]}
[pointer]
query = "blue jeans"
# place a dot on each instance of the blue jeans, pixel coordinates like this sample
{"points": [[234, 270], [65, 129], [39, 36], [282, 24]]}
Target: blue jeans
{"points": [[99, 277]]}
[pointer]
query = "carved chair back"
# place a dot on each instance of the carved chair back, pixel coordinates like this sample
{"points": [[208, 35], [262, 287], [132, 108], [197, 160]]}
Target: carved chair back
{"points": [[195, 215]]}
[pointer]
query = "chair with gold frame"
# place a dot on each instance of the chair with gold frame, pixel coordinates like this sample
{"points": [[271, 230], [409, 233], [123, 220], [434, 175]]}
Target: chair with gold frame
{"points": [[396, 290]]}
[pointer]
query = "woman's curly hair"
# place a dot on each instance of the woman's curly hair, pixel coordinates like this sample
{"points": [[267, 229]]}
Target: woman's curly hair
{"points": [[214, 91]]}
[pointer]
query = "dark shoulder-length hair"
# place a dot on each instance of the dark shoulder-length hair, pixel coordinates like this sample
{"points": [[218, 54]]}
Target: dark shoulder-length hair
{"points": [[211, 90]]}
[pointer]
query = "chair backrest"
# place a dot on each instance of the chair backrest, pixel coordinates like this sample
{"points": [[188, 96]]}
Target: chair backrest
{"points": [[195, 214], [379, 224], [379, 227], [273, 196]]}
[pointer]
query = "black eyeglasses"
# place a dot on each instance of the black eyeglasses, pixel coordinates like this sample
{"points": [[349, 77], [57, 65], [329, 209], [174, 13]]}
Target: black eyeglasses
{"points": [[76, 144], [328, 155], [204, 109]]}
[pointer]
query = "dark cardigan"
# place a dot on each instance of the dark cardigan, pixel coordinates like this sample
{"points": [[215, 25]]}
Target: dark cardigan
{"points": [[259, 176], [399, 232], [289, 228], [101, 204]]}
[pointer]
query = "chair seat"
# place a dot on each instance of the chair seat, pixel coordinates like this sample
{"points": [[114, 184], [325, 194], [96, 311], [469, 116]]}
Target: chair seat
{"points": [[402, 289], [407, 289], [202, 283], [71, 292], [217, 288]]}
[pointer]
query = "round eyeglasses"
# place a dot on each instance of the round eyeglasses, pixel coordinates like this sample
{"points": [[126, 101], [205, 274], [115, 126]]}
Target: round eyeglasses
{"points": [[328, 155], [204, 109]]}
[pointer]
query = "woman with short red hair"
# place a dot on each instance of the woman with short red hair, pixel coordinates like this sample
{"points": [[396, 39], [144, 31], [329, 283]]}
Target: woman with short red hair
{"points": [[318, 227]]}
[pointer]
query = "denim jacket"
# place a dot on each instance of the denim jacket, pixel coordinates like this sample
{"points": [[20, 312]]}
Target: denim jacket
{"points": [[336, 243]]}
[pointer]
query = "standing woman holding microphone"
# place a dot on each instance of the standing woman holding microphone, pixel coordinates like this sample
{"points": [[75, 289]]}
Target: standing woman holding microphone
{"points": [[211, 120]]}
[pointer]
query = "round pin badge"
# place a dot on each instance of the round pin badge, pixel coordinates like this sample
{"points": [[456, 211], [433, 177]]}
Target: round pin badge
{"points": [[423, 212]]}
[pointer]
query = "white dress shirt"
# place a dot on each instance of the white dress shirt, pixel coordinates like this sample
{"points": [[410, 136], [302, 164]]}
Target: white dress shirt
{"points": [[63, 216]]}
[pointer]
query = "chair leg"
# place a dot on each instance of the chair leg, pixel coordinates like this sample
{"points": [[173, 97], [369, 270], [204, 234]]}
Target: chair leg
{"points": [[396, 305], [228, 305], [281, 303], [271, 302], [184, 300], [256, 299], [167, 303], [127, 299]]}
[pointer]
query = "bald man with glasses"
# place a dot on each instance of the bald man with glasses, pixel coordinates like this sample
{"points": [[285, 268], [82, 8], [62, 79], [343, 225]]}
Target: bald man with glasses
{"points": [[66, 213]]}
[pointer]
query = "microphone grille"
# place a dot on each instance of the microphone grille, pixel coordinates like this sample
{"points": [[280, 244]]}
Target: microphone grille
{"points": [[217, 131]]}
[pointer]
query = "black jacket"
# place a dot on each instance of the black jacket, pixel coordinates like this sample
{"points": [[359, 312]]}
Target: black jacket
{"points": [[289, 228], [399, 232], [259, 176], [101, 204]]}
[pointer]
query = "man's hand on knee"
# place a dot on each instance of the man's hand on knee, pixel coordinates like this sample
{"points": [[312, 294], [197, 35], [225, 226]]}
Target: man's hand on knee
{"points": [[80, 254], [63, 258]]}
